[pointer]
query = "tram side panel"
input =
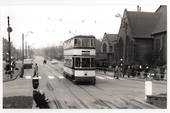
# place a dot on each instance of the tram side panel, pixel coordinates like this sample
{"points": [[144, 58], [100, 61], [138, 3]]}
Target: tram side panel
{"points": [[68, 72]]}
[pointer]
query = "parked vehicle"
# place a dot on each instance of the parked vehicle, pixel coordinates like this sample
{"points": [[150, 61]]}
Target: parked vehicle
{"points": [[28, 63]]}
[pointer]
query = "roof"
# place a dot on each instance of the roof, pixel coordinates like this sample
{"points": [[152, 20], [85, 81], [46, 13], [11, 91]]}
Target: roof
{"points": [[111, 38], [80, 36], [142, 23], [162, 22]]}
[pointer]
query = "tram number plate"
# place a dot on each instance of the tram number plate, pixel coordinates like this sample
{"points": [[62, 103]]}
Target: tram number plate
{"points": [[85, 52]]}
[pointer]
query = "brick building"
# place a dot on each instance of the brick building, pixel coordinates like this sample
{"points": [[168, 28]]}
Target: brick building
{"points": [[142, 37]]}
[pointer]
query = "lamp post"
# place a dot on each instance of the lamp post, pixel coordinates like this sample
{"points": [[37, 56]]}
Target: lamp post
{"points": [[22, 69], [9, 29], [125, 25]]}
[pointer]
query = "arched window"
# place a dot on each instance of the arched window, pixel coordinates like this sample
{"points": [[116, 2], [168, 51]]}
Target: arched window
{"points": [[104, 48]]}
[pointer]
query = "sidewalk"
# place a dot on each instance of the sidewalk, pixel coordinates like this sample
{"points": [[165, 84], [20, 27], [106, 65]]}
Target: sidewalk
{"points": [[111, 74], [18, 93]]}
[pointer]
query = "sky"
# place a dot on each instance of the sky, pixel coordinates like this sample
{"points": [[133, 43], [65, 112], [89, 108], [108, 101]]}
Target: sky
{"points": [[50, 23]]}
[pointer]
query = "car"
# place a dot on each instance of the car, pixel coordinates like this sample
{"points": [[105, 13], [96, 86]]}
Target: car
{"points": [[53, 61], [28, 63]]}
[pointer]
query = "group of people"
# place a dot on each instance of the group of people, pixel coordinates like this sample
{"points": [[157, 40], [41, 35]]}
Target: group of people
{"points": [[145, 72], [38, 95]]}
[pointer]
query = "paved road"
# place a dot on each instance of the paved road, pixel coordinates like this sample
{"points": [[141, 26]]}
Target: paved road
{"points": [[108, 93]]}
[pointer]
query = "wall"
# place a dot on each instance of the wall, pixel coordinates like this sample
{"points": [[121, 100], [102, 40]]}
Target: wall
{"points": [[143, 50]]}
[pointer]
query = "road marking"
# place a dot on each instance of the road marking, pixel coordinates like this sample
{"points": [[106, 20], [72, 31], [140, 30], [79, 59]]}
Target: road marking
{"points": [[39, 77], [100, 77], [28, 77], [109, 77], [105, 77], [51, 77], [60, 77]]}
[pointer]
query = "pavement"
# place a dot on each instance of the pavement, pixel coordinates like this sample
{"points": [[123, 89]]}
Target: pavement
{"points": [[111, 74], [17, 93]]}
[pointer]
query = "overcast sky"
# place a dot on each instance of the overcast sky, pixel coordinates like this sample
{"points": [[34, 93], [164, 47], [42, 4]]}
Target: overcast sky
{"points": [[50, 23]]}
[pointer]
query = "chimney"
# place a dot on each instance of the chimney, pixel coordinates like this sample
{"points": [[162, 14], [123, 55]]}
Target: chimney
{"points": [[138, 8]]}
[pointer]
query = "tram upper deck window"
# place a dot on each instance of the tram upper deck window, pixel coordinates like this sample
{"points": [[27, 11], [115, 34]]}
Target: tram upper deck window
{"points": [[77, 62], [77, 42], [85, 62], [92, 43], [85, 42]]}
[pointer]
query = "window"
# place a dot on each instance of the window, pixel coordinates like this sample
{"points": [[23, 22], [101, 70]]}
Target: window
{"points": [[77, 42], [92, 62], [92, 43], [85, 62], [77, 62], [85, 42], [104, 48], [111, 48]]}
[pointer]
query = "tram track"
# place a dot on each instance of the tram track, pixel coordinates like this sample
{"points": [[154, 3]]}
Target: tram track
{"points": [[123, 103], [103, 104], [98, 101], [78, 99], [51, 90]]}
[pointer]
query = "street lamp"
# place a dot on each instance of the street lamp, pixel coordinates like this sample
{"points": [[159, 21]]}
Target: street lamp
{"points": [[9, 29], [118, 15], [26, 45], [125, 25]]}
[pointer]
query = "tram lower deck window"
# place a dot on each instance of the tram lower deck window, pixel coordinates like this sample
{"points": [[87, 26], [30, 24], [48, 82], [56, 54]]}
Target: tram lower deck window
{"points": [[77, 62], [85, 62], [92, 62]]}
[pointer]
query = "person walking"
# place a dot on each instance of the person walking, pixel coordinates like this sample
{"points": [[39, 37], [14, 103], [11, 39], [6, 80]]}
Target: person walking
{"points": [[117, 72], [129, 72], [35, 70]]}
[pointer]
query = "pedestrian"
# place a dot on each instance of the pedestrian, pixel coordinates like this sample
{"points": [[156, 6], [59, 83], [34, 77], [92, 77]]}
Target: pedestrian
{"points": [[113, 72], [158, 73], [35, 70], [129, 71], [146, 71], [117, 72], [39, 97]]}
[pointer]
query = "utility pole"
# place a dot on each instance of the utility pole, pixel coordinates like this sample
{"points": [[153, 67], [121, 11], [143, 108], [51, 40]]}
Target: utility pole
{"points": [[22, 69], [9, 29]]}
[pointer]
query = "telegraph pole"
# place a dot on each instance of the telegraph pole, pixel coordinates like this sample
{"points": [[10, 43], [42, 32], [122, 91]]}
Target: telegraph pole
{"points": [[9, 29], [22, 69]]}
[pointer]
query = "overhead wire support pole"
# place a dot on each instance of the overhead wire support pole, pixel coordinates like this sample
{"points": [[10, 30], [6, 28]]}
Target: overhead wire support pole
{"points": [[9, 29], [22, 69]]}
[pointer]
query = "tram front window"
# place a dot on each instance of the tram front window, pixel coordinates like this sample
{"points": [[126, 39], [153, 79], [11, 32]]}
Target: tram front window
{"points": [[77, 63], [85, 62]]}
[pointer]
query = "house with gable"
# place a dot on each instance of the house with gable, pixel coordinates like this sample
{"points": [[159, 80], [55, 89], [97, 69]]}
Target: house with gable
{"points": [[107, 48], [142, 37]]}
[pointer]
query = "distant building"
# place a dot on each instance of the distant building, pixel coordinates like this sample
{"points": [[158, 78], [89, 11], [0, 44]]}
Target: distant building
{"points": [[142, 37], [107, 55]]}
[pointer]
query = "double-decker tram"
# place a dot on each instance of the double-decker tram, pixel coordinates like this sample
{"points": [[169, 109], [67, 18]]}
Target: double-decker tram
{"points": [[79, 59]]}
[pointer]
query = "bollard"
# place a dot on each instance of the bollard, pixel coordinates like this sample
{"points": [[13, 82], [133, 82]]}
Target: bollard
{"points": [[22, 72], [148, 88]]}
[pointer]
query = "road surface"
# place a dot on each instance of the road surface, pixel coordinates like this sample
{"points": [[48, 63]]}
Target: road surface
{"points": [[107, 93]]}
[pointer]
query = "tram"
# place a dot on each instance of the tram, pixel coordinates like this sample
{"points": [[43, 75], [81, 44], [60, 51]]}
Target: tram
{"points": [[79, 59]]}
